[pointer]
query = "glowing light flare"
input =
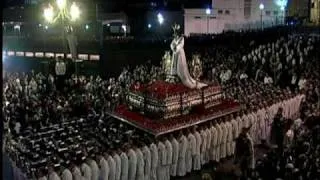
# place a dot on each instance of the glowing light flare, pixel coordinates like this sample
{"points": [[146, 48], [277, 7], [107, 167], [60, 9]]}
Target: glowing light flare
{"points": [[124, 27], [282, 8], [61, 4], [48, 13], [160, 18], [149, 26], [261, 6], [74, 12], [208, 11]]}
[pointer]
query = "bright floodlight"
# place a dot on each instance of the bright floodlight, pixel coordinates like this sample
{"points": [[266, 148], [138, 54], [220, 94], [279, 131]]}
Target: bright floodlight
{"points": [[208, 11], [46, 27], [261, 6], [87, 26], [124, 27], [74, 12], [281, 3], [149, 26], [160, 18], [282, 8], [48, 13], [61, 4]]}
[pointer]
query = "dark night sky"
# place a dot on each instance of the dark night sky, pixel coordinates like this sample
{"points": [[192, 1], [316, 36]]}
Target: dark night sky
{"points": [[117, 5]]}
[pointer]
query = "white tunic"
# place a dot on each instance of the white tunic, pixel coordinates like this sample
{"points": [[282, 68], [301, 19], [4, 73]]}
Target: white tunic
{"points": [[209, 137], [162, 161], [183, 145], [154, 161], [235, 133], [190, 152], [86, 171], [140, 165], [117, 160], [214, 142], [229, 138], [53, 176], [219, 141], [45, 178], [169, 151], [112, 168], [76, 173], [132, 157], [223, 145], [124, 166], [104, 169], [175, 157], [94, 169], [203, 146], [147, 162], [197, 155]]}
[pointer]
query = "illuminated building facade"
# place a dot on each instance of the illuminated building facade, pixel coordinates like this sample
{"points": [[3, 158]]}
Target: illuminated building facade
{"points": [[315, 12]]}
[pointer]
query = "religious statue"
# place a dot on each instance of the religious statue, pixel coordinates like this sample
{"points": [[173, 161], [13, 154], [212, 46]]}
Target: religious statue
{"points": [[196, 67], [179, 65]]}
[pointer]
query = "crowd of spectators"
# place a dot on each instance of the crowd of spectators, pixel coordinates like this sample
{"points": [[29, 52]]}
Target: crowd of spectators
{"points": [[257, 75]]}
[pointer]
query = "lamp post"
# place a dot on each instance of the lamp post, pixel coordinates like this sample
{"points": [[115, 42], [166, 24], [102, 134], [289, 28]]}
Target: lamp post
{"points": [[208, 12], [261, 7], [65, 13], [283, 8]]}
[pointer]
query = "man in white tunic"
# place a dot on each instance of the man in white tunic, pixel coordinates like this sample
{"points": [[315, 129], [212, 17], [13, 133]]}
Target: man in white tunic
{"points": [[104, 167], [52, 175], [223, 145], [147, 161], [214, 141], [94, 168], [124, 166], [154, 161], [162, 161], [183, 145], [219, 141], [112, 167], [117, 160], [190, 151], [175, 156], [229, 137], [169, 157], [197, 157], [235, 132], [203, 149], [66, 174], [132, 157], [76, 172], [86, 171], [209, 137], [140, 164]]}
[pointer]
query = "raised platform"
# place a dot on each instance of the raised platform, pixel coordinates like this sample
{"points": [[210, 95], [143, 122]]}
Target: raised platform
{"points": [[164, 126]]}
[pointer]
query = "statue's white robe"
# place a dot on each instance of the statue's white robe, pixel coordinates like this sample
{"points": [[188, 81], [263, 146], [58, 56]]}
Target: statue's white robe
{"points": [[132, 157], [53, 176], [66, 174], [154, 161], [140, 165], [183, 145], [223, 145], [197, 157], [235, 133], [147, 162], [94, 169], [229, 138], [162, 161], [175, 157], [124, 166], [219, 141], [190, 153], [86, 171], [117, 160], [203, 146], [169, 150], [112, 167], [214, 142], [76, 173], [208, 151]]}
